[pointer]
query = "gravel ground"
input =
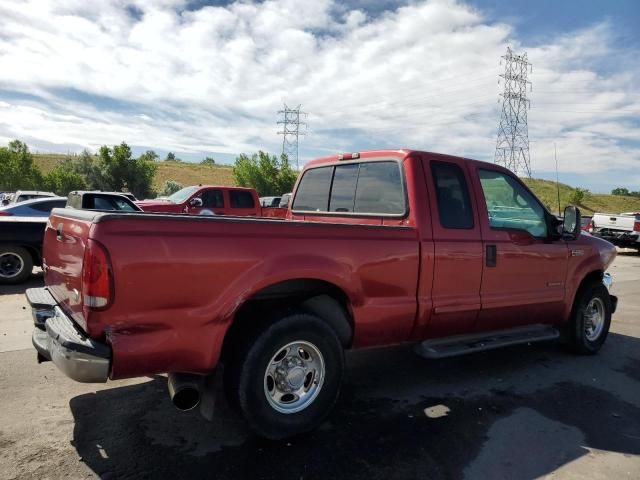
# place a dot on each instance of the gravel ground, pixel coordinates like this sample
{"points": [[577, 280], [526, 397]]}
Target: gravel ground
{"points": [[521, 412]]}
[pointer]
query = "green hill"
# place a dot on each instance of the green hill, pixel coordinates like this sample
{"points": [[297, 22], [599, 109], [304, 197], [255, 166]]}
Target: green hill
{"points": [[546, 191], [181, 172], [194, 173]]}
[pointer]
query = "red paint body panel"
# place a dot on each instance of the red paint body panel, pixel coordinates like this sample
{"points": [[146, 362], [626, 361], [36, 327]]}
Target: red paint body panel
{"points": [[179, 280], [164, 206]]}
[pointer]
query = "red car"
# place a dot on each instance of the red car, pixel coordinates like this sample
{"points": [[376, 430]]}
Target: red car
{"points": [[380, 248], [207, 200]]}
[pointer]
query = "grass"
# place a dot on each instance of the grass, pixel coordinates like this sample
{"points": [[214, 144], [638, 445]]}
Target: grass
{"points": [[194, 174], [546, 191], [181, 172]]}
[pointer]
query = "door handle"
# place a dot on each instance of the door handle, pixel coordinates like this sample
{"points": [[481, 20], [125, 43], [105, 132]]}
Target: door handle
{"points": [[492, 254]]}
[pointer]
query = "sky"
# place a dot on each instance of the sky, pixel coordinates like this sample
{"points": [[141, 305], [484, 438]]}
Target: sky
{"points": [[208, 78]]}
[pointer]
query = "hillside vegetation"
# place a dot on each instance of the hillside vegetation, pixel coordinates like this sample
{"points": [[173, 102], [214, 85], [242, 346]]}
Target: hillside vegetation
{"points": [[546, 191], [193, 174], [181, 172]]}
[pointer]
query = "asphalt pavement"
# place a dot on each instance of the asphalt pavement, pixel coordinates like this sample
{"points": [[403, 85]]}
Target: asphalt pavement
{"points": [[522, 412]]}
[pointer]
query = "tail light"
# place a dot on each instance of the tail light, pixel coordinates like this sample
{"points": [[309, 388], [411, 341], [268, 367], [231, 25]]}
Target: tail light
{"points": [[97, 281], [636, 227], [5, 214], [590, 226]]}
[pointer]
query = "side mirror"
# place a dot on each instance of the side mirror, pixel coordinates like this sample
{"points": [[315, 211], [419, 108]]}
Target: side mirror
{"points": [[195, 202], [571, 221]]}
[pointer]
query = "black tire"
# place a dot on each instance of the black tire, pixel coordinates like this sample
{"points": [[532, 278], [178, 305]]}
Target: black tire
{"points": [[11, 258], [244, 375], [577, 338]]}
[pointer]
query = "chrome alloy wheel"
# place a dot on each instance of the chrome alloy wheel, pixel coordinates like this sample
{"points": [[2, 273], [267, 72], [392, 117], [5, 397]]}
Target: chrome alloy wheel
{"points": [[11, 264], [594, 316], [294, 377]]}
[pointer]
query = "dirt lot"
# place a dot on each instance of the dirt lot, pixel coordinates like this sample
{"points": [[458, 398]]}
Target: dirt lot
{"points": [[523, 412]]}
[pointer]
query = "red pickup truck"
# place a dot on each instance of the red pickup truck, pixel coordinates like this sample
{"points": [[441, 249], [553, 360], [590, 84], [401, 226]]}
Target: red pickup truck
{"points": [[380, 248], [207, 200]]}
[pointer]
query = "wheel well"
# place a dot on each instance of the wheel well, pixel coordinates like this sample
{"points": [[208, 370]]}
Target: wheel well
{"points": [[35, 256], [595, 276], [317, 297]]}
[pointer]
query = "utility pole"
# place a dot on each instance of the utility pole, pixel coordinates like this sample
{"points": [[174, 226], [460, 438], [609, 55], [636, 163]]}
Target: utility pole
{"points": [[555, 156], [290, 121], [512, 146]]}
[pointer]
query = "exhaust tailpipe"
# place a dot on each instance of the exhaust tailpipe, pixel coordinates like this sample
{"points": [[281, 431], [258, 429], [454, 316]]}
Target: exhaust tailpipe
{"points": [[185, 390]]}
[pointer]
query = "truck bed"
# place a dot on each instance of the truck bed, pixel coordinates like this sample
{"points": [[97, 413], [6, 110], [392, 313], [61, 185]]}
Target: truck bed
{"points": [[178, 279]]}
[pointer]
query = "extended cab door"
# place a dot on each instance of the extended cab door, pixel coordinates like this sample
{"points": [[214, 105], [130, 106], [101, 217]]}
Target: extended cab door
{"points": [[212, 202], [457, 248], [523, 280], [242, 203]]}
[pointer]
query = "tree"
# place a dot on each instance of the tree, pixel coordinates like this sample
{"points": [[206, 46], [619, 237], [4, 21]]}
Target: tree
{"points": [[114, 169], [17, 170], [208, 161], [620, 191], [149, 155], [578, 195], [170, 187], [269, 175], [64, 178], [171, 157]]}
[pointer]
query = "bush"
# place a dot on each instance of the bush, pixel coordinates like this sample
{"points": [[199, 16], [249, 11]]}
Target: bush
{"points": [[269, 175], [578, 195], [64, 178], [170, 187], [17, 170], [620, 191]]}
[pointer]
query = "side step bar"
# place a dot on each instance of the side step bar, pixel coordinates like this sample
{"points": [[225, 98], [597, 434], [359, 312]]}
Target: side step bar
{"points": [[462, 344]]}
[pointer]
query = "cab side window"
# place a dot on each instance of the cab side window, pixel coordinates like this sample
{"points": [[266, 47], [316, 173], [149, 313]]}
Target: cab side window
{"points": [[510, 205], [452, 194], [240, 199], [212, 199]]}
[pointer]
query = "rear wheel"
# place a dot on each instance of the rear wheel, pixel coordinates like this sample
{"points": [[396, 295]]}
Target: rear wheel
{"points": [[286, 376], [16, 265], [591, 318]]}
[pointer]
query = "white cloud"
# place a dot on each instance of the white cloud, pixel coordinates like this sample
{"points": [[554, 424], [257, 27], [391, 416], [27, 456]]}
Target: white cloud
{"points": [[424, 75]]}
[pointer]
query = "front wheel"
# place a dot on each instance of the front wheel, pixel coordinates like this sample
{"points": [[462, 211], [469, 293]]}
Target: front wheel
{"points": [[590, 321], [16, 265], [286, 377]]}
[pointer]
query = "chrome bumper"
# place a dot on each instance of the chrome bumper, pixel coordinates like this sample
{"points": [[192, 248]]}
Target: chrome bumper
{"points": [[607, 281], [57, 338]]}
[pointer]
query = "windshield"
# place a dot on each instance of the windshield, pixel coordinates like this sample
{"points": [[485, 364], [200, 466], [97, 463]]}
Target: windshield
{"points": [[181, 195]]}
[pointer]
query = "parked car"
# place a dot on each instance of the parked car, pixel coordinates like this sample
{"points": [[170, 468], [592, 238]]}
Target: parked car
{"points": [[270, 201], [22, 195], [96, 200], [275, 208], [585, 223], [284, 201], [381, 248], [622, 230], [207, 200], [20, 247], [22, 228], [38, 207]]}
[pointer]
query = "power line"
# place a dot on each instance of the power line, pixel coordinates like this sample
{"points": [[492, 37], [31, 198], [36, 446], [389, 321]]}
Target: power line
{"points": [[290, 132], [512, 146]]}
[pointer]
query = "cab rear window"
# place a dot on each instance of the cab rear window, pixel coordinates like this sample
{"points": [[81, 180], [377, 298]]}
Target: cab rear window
{"points": [[367, 188], [240, 199]]}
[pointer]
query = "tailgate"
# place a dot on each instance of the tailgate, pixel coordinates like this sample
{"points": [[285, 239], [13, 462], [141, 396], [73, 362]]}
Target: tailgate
{"points": [[614, 222], [65, 240]]}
